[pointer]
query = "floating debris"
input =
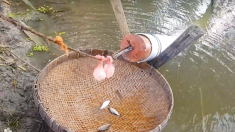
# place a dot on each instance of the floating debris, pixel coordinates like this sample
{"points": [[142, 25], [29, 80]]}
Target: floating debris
{"points": [[104, 127], [113, 111], [105, 104]]}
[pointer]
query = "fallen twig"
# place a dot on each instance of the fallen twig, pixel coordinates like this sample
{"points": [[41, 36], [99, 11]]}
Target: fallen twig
{"points": [[3, 46], [2, 58], [7, 2], [22, 68], [14, 83], [23, 27], [23, 60]]}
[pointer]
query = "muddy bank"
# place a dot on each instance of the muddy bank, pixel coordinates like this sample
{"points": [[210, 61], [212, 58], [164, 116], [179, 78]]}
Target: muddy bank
{"points": [[17, 109]]}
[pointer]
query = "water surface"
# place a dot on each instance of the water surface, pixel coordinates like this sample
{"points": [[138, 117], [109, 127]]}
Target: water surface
{"points": [[208, 64]]}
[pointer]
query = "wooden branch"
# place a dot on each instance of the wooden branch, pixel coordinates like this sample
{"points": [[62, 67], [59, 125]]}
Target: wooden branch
{"points": [[23, 60], [23, 27], [7, 48], [120, 16], [2, 58], [7, 2], [182, 42]]}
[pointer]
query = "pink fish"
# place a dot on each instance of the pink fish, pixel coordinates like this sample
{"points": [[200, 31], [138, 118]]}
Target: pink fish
{"points": [[99, 73], [109, 67]]}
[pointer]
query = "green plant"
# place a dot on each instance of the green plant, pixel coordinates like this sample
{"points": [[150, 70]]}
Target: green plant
{"points": [[17, 14], [11, 15], [30, 54], [59, 33], [30, 28], [29, 39], [46, 9], [38, 47]]}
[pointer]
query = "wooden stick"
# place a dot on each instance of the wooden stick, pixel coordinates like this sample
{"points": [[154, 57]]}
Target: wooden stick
{"points": [[22, 68], [23, 60], [182, 42], [6, 48], [1, 57], [3, 46], [120, 16], [7, 2], [23, 27]]}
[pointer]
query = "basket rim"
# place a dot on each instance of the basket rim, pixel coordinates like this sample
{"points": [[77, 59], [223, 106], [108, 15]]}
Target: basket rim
{"points": [[55, 126]]}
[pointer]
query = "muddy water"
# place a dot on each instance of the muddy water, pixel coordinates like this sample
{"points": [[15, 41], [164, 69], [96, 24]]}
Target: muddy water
{"points": [[208, 65]]}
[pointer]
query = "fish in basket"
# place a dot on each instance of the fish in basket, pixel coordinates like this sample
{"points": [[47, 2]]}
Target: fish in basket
{"points": [[135, 98]]}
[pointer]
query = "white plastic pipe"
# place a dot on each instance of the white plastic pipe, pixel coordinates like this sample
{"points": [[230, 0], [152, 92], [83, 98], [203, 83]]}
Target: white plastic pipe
{"points": [[159, 43]]}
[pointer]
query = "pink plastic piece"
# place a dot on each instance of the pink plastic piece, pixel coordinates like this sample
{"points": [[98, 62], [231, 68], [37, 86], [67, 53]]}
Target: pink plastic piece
{"points": [[109, 67], [99, 57], [99, 73]]}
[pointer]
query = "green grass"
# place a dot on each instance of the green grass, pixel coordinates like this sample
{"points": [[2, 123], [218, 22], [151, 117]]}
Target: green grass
{"points": [[30, 54], [11, 15], [38, 48]]}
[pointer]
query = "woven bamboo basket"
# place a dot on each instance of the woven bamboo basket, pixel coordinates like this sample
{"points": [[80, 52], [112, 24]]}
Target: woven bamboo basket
{"points": [[69, 99]]}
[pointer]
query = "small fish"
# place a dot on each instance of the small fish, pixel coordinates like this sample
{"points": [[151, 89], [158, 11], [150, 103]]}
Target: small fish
{"points": [[105, 104], [113, 111], [104, 127]]}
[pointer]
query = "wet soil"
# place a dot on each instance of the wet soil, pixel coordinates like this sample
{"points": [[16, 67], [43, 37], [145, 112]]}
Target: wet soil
{"points": [[17, 109]]}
